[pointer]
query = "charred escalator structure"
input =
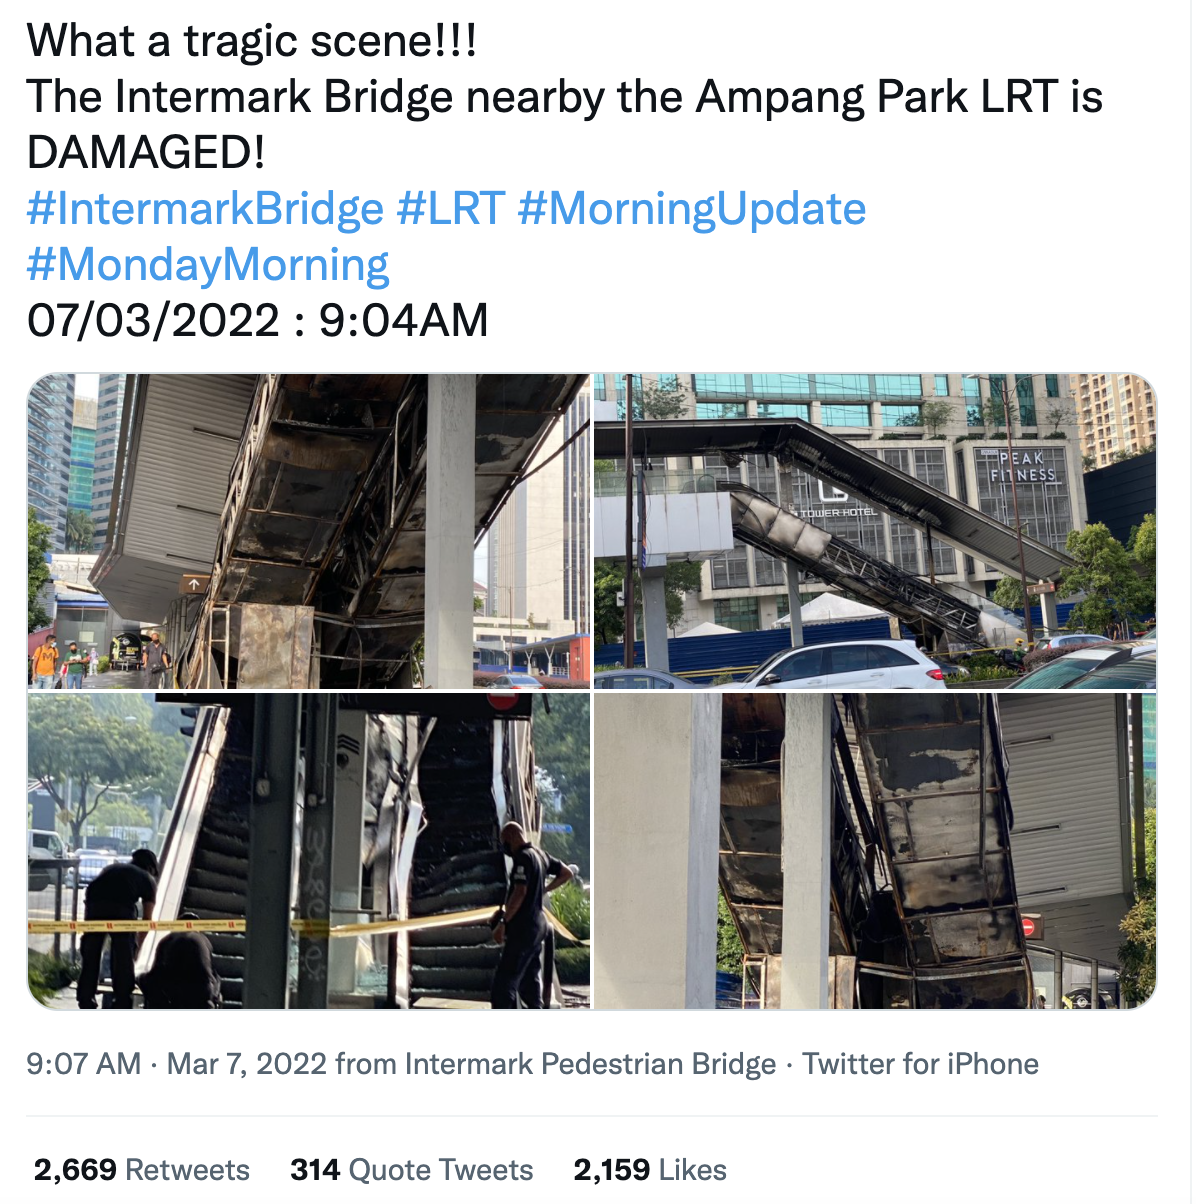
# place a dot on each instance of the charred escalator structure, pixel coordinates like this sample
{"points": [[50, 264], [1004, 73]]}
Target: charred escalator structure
{"points": [[758, 521], [923, 907], [420, 795], [320, 564]]}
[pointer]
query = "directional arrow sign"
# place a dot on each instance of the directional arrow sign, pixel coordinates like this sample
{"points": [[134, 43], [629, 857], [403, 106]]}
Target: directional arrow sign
{"points": [[195, 583]]}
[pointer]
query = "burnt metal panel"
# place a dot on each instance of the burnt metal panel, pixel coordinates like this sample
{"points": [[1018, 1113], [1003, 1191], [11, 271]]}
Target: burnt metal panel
{"points": [[275, 647], [936, 767]]}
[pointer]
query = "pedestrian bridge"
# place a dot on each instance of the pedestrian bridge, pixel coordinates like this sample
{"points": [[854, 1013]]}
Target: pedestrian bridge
{"points": [[330, 519]]}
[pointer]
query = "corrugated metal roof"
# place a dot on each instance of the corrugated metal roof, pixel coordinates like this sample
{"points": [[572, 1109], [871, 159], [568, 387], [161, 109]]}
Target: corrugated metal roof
{"points": [[1068, 786], [179, 442], [835, 460]]}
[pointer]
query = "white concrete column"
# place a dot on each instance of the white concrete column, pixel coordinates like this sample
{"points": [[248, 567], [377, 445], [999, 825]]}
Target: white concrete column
{"points": [[448, 614], [656, 775], [347, 823], [656, 628], [1050, 614], [806, 850]]}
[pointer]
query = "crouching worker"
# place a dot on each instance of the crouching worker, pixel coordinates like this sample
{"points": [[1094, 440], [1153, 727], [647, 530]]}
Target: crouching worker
{"points": [[521, 926], [182, 974], [114, 894]]}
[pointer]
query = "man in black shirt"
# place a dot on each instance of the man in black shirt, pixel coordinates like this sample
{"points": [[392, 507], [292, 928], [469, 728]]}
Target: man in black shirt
{"points": [[113, 895], [156, 660], [522, 927], [182, 974]]}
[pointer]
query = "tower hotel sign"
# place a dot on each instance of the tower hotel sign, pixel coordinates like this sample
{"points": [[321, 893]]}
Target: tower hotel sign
{"points": [[1039, 466]]}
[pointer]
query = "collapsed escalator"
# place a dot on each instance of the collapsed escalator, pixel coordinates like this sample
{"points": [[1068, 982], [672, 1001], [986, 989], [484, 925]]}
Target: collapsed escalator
{"points": [[458, 863], [759, 521]]}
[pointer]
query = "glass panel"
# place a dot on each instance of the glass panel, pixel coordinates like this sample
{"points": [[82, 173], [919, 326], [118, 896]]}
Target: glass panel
{"points": [[780, 384], [783, 410], [741, 613], [1041, 490], [1052, 384], [667, 381], [907, 385], [940, 384], [725, 409], [971, 386], [720, 384], [599, 386], [1027, 415], [901, 415], [1042, 968], [838, 384], [835, 415]]}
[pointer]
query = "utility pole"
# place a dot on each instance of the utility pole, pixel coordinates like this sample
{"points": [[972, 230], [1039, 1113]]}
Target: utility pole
{"points": [[628, 562], [1017, 518]]}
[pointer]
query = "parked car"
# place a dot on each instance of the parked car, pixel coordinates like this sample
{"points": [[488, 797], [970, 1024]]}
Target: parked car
{"points": [[857, 665], [950, 668], [517, 681], [1070, 639], [1066, 671], [90, 864], [1136, 673], [43, 845], [640, 679]]}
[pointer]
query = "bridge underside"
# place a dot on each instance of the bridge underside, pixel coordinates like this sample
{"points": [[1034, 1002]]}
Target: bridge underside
{"points": [[323, 512]]}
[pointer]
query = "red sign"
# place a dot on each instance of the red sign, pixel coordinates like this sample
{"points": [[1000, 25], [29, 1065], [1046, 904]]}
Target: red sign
{"points": [[503, 702], [1032, 927]]}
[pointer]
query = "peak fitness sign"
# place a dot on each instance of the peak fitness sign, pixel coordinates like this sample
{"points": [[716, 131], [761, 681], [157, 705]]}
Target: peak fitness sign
{"points": [[1024, 467]]}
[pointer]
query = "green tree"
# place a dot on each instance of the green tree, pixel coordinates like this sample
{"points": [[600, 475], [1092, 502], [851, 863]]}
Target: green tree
{"points": [[935, 415], [1141, 544], [1137, 952], [80, 531], [729, 946], [39, 570], [1088, 463], [1059, 415], [562, 741], [78, 754], [680, 577], [1008, 593], [993, 412], [1106, 574]]}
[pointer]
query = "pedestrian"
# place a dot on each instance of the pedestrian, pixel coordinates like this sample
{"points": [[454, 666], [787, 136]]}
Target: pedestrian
{"points": [[156, 659], [520, 927], [182, 974], [114, 894], [75, 667], [93, 662], [45, 659]]}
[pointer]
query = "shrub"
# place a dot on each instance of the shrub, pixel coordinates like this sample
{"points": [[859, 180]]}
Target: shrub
{"points": [[573, 966], [1056, 435], [571, 905], [48, 975], [103, 664]]}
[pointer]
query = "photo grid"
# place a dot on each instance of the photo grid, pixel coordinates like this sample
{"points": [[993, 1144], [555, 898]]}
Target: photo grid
{"points": [[386, 682]]}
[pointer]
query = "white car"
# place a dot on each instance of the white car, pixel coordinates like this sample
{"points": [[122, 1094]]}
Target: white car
{"points": [[857, 665], [1070, 639]]}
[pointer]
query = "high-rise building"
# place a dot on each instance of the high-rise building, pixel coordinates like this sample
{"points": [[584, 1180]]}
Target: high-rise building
{"points": [[83, 458], [1115, 412], [109, 405], [538, 565], [50, 415], [942, 428]]}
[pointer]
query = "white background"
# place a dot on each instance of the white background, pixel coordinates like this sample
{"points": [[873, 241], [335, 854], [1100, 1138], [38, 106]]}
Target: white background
{"points": [[1029, 242]]}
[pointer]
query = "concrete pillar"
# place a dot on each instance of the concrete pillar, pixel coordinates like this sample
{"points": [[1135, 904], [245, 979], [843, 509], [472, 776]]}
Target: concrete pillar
{"points": [[656, 627], [796, 630], [448, 614], [1050, 614], [275, 775], [806, 850], [315, 845], [656, 768], [348, 822]]}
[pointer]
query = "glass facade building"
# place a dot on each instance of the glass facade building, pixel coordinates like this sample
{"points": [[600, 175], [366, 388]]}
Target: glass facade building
{"points": [[109, 406], [50, 417]]}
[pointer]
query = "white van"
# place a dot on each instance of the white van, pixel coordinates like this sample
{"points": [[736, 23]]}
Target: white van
{"points": [[43, 845]]}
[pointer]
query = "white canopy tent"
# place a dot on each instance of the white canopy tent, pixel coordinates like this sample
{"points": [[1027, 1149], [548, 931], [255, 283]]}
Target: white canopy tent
{"points": [[833, 608]]}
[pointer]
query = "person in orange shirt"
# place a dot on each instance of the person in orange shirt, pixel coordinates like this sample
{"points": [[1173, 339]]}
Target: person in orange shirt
{"points": [[45, 661]]}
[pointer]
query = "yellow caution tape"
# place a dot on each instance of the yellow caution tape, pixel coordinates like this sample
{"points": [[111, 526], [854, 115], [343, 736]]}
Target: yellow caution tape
{"points": [[308, 928], [46, 927], [321, 928]]}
